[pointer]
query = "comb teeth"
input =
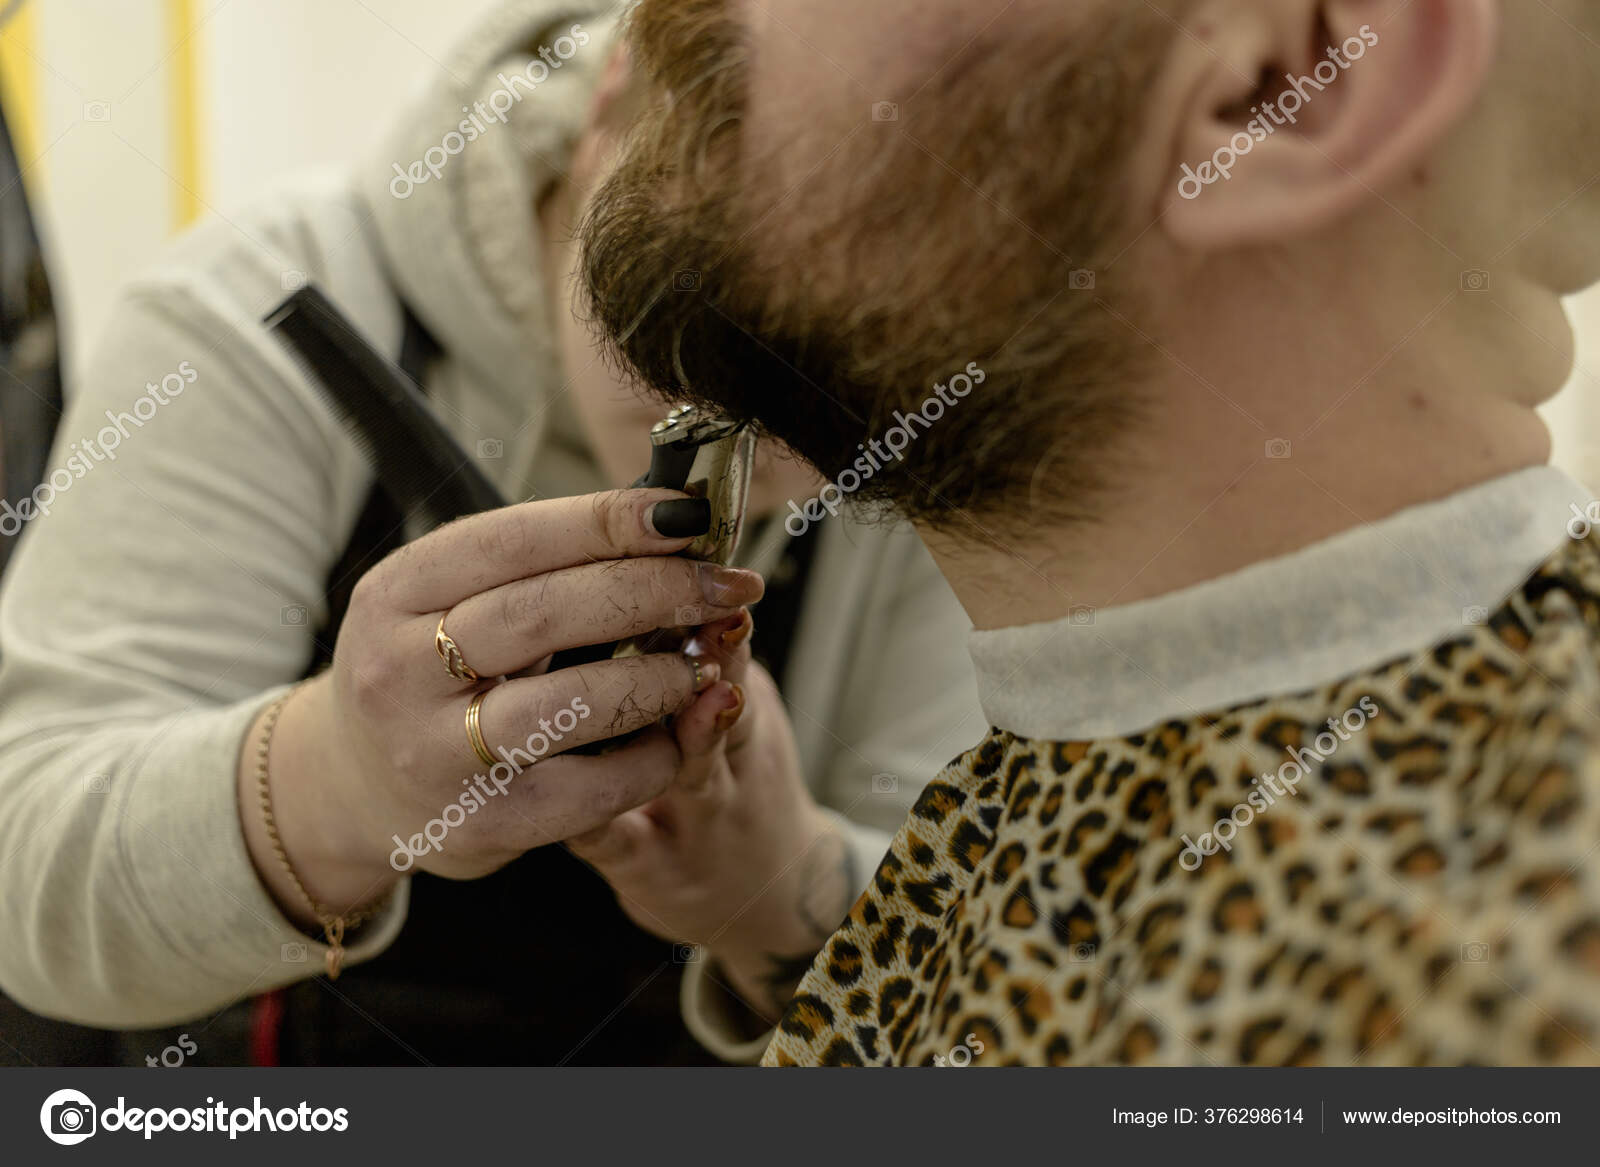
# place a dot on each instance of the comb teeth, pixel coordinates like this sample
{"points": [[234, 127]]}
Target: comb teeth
{"points": [[418, 463]]}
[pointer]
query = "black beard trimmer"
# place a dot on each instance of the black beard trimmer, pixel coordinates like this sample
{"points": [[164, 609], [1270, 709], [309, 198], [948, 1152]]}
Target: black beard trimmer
{"points": [[707, 457], [434, 481]]}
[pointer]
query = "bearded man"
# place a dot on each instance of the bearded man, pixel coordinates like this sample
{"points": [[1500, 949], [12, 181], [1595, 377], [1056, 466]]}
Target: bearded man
{"points": [[1288, 634]]}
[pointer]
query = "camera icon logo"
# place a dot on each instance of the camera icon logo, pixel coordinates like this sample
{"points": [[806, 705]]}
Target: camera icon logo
{"points": [[885, 111], [97, 784], [1475, 617], [491, 449], [293, 280], [68, 1117], [294, 616], [1083, 953], [1475, 281], [1081, 616], [885, 783], [688, 617], [1279, 450], [97, 111], [1082, 280], [1476, 952], [293, 953], [686, 953], [686, 281]]}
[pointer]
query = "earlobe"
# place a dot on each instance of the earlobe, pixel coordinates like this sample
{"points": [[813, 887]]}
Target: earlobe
{"points": [[1354, 93]]}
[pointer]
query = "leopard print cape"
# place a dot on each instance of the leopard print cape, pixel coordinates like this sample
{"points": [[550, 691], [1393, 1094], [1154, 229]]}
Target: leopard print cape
{"points": [[1427, 893]]}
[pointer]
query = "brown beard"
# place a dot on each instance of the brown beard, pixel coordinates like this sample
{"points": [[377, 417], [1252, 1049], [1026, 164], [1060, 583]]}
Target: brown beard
{"points": [[825, 312]]}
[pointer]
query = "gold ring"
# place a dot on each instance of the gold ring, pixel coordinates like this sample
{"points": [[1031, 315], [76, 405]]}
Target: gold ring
{"points": [[450, 653], [475, 730]]}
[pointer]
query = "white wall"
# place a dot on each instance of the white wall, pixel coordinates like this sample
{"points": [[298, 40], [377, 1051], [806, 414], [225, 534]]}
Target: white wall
{"points": [[282, 85], [102, 127], [306, 82]]}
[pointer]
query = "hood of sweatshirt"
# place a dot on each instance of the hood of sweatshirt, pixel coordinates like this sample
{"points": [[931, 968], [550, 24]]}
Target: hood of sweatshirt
{"points": [[453, 188]]}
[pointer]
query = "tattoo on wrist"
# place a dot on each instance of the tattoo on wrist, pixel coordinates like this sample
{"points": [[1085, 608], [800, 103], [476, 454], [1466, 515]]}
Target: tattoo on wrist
{"points": [[827, 887], [780, 980], [828, 878]]}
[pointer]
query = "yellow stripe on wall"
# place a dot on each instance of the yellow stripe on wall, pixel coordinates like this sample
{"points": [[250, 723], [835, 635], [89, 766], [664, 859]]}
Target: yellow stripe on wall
{"points": [[183, 29], [19, 88]]}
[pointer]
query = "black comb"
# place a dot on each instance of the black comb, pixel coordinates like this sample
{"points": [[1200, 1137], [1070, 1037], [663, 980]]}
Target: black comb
{"points": [[418, 463]]}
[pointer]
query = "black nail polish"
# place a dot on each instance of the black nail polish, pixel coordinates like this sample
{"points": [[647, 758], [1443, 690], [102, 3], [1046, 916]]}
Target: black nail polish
{"points": [[681, 518]]}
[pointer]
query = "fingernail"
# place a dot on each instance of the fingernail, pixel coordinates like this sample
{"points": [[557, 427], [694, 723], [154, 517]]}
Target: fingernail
{"points": [[729, 717], [728, 587], [706, 673], [736, 636], [681, 518]]}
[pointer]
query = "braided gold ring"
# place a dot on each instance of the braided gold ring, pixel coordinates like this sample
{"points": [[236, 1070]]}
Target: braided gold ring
{"points": [[475, 730], [449, 652]]}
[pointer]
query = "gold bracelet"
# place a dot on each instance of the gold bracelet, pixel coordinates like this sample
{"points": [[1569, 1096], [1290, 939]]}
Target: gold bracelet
{"points": [[333, 927]]}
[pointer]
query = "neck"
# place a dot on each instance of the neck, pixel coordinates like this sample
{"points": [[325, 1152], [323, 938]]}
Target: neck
{"points": [[1210, 490]]}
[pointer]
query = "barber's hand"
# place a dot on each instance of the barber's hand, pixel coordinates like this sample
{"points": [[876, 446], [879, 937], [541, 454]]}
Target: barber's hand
{"points": [[736, 857], [376, 750]]}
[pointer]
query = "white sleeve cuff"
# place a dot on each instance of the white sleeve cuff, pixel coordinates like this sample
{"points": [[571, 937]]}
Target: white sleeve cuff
{"points": [[708, 1013]]}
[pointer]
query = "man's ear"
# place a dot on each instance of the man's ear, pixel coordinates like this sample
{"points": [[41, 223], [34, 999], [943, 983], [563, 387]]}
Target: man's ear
{"points": [[1297, 110]]}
